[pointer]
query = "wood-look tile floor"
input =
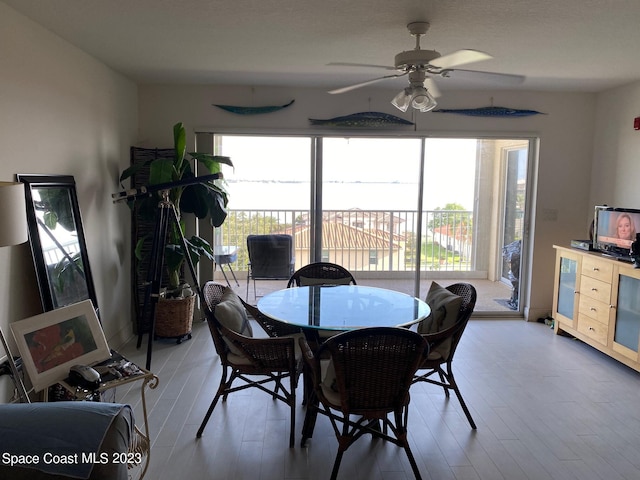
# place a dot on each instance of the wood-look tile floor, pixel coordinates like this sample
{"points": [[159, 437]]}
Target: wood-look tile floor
{"points": [[547, 407]]}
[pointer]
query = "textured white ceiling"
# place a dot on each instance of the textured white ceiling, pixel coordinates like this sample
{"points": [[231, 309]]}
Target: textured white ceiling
{"points": [[559, 45]]}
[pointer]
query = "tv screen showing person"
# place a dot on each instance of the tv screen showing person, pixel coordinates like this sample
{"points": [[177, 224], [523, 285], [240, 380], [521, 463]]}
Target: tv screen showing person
{"points": [[625, 230], [618, 228]]}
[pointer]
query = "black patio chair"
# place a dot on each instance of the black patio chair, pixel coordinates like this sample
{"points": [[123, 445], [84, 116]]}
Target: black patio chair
{"points": [[270, 258]]}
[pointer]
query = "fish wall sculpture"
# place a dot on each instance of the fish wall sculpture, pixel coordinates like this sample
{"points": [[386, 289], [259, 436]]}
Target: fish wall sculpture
{"points": [[252, 110], [362, 120], [490, 112]]}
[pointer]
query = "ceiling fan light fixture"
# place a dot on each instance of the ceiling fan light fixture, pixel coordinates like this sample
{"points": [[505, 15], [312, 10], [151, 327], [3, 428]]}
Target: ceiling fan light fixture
{"points": [[416, 97], [422, 100], [403, 99]]}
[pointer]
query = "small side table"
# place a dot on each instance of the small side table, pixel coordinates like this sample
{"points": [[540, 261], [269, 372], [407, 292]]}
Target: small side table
{"points": [[115, 372], [226, 255]]}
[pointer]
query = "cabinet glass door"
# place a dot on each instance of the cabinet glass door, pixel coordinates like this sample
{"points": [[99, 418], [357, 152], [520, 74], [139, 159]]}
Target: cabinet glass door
{"points": [[627, 332], [567, 287]]}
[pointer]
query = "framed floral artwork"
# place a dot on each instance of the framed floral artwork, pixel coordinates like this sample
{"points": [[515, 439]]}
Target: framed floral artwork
{"points": [[52, 342]]}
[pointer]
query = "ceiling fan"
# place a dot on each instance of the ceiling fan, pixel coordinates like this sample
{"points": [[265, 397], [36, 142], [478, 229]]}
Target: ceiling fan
{"points": [[420, 65]]}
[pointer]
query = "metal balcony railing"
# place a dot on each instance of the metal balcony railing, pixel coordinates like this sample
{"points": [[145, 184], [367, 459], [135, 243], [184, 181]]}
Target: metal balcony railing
{"points": [[362, 240]]}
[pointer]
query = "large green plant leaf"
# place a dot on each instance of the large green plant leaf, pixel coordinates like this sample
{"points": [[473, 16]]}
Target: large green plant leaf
{"points": [[180, 146], [199, 247], [50, 219], [132, 170], [66, 271], [162, 170], [212, 162], [194, 201], [56, 204], [173, 256], [217, 209]]}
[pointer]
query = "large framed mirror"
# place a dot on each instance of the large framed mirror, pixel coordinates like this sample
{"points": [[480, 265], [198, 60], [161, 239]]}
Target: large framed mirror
{"points": [[57, 241]]}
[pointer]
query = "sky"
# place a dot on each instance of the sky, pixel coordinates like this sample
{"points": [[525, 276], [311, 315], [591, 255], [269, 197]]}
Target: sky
{"points": [[366, 173]]}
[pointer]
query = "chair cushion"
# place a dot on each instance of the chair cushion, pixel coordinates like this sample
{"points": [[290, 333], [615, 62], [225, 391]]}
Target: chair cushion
{"points": [[236, 358], [231, 313], [328, 385], [297, 351], [445, 307], [308, 282]]}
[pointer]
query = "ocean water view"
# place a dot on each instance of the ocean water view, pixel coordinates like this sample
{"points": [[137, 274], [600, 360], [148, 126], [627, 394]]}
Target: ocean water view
{"points": [[276, 195]]}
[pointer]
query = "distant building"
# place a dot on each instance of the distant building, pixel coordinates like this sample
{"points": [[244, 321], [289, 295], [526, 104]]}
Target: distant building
{"points": [[455, 238], [363, 219], [354, 248]]}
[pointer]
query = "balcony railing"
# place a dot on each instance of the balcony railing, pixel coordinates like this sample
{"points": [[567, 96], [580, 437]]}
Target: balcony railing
{"points": [[362, 240]]}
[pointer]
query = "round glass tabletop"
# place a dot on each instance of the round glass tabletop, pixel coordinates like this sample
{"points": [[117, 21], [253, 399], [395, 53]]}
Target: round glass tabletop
{"points": [[343, 307]]}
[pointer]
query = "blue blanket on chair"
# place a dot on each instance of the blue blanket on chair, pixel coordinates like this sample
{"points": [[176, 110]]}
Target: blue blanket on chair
{"points": [[59, 437]]}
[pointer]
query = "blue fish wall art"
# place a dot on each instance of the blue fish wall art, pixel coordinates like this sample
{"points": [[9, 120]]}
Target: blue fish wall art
{"points": [[362, 120], [252, 110], [490, 112]]}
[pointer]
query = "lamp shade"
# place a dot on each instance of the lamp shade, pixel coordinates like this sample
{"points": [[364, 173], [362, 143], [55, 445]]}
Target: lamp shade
{"points": [[13, 214]]}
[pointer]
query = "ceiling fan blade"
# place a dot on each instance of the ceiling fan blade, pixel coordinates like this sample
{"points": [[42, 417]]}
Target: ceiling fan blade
{"points": [[368, 65], [460, 57], [363, 84], [505, 79], [430, 85]]}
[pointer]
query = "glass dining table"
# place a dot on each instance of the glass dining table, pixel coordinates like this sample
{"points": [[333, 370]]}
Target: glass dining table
{"points": [[319, 309], [343, 307]]}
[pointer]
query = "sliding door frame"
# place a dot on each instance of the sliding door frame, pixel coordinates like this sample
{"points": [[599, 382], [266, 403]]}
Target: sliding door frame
{"points": [[316, 179]]}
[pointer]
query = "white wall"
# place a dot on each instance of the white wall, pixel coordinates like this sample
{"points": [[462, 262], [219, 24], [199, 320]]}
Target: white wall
{"points": [[62, 112], [616, 155], [565, 132]]}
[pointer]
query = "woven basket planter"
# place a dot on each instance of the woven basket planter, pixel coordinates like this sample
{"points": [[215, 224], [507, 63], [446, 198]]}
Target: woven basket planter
{"points": [[174, 317]]}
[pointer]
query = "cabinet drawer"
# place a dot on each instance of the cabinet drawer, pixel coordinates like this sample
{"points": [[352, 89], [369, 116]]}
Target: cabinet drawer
{"points": [[593, 308], [598, 269], [593, 329], [596, 289]]}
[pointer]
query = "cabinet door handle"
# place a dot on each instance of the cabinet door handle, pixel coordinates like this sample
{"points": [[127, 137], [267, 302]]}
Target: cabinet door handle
{"points": [[596, 269], [593, 309], [594, 289], [592, 329]]}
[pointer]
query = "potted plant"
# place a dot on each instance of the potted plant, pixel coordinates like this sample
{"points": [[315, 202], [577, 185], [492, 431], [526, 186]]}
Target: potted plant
{"points": [[203, 199]]}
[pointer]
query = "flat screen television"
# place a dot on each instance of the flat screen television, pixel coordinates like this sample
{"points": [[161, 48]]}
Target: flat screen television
{"points": [[615, 229]]}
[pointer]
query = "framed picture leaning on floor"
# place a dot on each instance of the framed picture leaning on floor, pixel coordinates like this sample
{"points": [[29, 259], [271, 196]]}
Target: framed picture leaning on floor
{"points": [[52, 342]]}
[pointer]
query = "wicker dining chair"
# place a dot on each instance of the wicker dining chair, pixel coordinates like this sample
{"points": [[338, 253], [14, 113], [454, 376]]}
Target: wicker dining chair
{"points": [[443, 341], [321, 273], [272, 327], [257, 362], [366, 386]]}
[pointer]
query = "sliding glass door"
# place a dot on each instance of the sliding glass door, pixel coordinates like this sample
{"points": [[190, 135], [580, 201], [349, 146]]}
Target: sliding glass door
{"points": [[269, 191], [370, 189], [398, 213]]}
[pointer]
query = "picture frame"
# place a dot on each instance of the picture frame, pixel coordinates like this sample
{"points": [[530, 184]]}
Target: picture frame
{"points": [[52, 342]]}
